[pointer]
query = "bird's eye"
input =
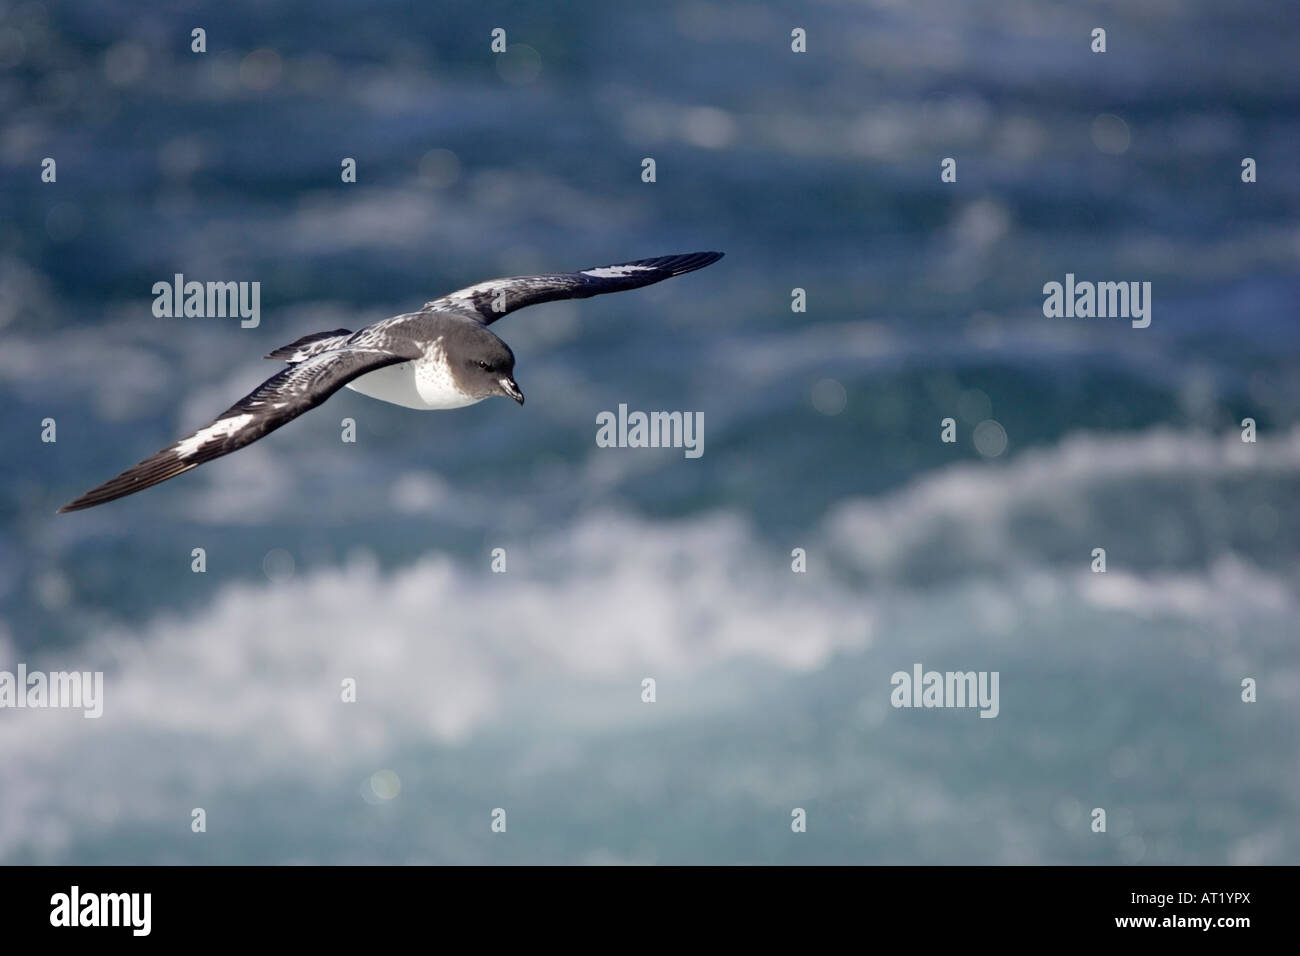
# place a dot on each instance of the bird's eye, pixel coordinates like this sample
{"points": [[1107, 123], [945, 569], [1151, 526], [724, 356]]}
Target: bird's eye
{"points": [[483, 365]]}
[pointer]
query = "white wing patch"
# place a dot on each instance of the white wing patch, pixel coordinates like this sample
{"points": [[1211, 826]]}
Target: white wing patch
{"points": [[222, 428], [615, 272]]}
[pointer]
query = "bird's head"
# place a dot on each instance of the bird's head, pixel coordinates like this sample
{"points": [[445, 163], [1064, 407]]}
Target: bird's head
{"points": [[484, 365]]}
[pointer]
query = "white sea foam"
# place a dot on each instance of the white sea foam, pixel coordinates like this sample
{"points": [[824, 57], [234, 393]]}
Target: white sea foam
{"points": [[437, 649], [979, 511], [244, 692]]}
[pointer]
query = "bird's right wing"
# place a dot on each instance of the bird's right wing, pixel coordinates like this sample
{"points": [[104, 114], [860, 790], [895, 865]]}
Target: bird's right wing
{"points": [[488, 301], [280, 399]]}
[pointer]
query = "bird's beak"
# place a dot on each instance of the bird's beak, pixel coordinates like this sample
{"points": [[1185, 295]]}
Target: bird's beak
{"points": [[511, 388]]}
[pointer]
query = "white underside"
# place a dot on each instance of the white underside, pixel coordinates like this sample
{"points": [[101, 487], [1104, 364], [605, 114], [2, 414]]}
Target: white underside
{"points": [[423, 385]]}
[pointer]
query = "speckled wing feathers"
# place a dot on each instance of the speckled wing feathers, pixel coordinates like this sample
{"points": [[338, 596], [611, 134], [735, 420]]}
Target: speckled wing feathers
{"points": [[280, 399]]}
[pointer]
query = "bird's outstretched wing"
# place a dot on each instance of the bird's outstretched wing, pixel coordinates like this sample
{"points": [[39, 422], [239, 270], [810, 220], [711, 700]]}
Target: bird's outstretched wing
{"points": [[489, 301], [280, 399]]}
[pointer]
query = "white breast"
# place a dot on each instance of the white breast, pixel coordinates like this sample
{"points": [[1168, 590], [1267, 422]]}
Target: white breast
{"points": [[425, 384]]}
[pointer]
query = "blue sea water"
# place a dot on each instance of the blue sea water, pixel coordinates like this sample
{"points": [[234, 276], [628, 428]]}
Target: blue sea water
{"points": [[371, 562]]}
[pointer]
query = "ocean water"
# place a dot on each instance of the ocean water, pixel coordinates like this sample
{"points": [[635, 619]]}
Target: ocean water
{"points": [[522, 690]]}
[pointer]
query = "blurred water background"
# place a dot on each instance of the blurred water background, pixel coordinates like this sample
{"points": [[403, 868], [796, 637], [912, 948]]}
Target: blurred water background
{"points": [[522, 690]]}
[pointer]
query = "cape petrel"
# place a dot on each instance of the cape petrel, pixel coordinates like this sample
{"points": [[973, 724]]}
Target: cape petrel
{"points": [[442, 356]]}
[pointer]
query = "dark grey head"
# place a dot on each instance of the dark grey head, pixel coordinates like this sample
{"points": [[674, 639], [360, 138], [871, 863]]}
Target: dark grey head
{"points": [[480, 362]]}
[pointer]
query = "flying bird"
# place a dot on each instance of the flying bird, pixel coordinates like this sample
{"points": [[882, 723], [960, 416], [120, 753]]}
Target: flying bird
{"points": [[442, 356]]}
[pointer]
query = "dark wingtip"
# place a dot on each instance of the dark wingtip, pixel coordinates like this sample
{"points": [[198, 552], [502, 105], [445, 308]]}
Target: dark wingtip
{"points": [[690, 261], [677, 264], [77, 504]]}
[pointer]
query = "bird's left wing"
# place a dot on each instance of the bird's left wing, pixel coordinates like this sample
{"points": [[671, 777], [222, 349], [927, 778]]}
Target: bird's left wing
{"points": [[280, 399], [488, 301]]}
